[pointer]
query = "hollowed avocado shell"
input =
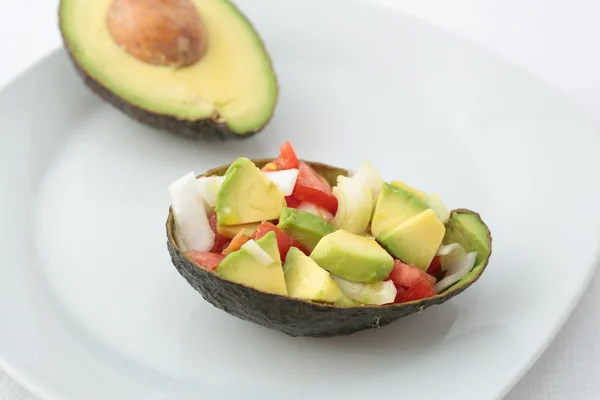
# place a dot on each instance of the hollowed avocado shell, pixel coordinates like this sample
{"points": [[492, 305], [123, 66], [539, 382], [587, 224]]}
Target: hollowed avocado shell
{"points": [[296, 317]]}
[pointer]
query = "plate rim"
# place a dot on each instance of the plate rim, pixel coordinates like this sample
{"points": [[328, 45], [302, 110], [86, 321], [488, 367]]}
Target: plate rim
{"points": [[43, 392]]}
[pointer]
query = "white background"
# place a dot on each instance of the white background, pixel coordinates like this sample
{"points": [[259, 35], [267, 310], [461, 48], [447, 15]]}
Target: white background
{"points": [[557, 40]]}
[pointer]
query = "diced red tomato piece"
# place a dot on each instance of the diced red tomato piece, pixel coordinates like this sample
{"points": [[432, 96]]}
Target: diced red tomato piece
{"points": [[310, 187], [292, 202], [399, 291], [205, 258], [435, 268], [405, 275], [422, 289], [221, 242], [284, 242], [325, 182], [213, 222], [287, 157]]}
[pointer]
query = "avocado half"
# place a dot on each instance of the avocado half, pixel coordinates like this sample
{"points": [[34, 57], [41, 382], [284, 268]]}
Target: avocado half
{"points": [[196, 68], [297, 317]]}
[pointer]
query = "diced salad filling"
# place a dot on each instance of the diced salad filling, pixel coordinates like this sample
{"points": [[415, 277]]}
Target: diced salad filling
{"points": [[284, 229]]}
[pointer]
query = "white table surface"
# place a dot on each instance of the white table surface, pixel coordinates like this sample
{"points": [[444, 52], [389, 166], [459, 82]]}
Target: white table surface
{"points": [[557, 40]]}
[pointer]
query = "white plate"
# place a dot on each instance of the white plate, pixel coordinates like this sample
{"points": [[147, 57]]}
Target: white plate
{"points": [[92, 307]]}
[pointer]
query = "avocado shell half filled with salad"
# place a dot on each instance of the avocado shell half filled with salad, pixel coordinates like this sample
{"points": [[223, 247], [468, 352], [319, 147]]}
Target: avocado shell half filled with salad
{"points": [[313, 250]]}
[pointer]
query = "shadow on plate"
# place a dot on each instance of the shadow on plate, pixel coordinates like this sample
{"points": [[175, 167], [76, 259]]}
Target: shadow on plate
{"points": [[248, 343]]}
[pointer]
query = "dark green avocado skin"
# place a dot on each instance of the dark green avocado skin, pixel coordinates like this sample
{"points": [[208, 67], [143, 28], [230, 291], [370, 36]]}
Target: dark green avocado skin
{"points": [[292, 316]]}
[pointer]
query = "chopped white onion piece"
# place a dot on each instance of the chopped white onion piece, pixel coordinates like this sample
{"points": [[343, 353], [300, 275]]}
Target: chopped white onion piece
{"points": [[284, 179], [451, 256], [189, 213], [456, 263], [179, 239], [209, 188], [436, 204], [355, 204], [258, 253], [369, 175], [315, 209], [368, 293]]}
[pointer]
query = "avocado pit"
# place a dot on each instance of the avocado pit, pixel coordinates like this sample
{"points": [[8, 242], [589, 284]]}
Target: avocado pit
{"points": [[158, 32]]}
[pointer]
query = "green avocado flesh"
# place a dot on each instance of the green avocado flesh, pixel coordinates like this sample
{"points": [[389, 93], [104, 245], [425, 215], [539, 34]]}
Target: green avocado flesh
{"points": [[394, 206], [233, 85], [415, 241], [353, 257], [468, 229], [306, 280], [247, 195], [242, 267], [306, 228]]}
